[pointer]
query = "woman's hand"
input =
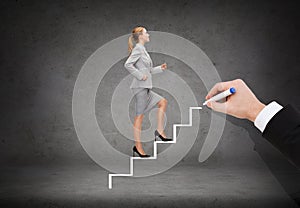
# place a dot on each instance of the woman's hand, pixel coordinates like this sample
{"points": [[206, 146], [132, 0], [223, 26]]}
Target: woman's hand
{"points": [[145, 77], [164, 66]]}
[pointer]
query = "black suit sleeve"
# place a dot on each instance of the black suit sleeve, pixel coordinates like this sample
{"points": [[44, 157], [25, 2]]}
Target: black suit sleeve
{"points": [[283, 131]]}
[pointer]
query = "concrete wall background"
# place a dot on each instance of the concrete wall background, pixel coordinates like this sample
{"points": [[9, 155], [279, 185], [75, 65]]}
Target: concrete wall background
{"points": [[44, 45]]}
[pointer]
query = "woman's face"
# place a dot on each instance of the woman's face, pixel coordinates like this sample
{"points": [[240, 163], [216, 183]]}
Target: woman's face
{"points": [[145, 36]]}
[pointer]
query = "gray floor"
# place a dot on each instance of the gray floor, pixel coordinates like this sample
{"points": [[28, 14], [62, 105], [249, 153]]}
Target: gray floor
{"points": [[183, 185], [229, 178]]}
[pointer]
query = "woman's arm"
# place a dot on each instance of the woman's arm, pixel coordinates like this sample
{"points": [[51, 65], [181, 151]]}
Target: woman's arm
{"points": [[155, 70], [158, 69], [132, 59]]}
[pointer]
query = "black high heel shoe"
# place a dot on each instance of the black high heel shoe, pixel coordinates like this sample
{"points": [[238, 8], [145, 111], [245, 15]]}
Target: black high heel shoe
{"points": [[136, 151], [157, 135]]}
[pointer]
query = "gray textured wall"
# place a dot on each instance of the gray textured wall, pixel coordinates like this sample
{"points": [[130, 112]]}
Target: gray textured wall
{"points": [[44, 45]]}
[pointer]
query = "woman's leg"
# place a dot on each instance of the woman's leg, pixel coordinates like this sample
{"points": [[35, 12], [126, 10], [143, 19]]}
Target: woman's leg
{"points": [[138, 120], [162, 105]]}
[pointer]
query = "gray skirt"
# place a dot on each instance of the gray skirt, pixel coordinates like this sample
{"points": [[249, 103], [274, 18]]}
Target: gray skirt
{"points": [[145, 99]]}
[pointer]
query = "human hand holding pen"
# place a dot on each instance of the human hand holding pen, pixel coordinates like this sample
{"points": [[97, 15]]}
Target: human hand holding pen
{"points": [[243, 104]]}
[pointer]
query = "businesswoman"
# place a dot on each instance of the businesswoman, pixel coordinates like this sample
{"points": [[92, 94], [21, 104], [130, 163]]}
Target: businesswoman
{"points": [[140, 65]]}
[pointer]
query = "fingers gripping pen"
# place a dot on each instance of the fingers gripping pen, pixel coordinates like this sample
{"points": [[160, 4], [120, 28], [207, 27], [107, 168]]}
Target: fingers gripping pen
{"points": [[221, 95]]}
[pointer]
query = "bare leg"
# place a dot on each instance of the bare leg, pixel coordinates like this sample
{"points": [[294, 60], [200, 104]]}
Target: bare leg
{"points": [[162, 104], [138, 120]]}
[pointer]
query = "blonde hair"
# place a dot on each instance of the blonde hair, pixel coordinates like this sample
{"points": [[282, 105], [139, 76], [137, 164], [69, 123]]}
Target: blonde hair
{"points": [[136, 32]]}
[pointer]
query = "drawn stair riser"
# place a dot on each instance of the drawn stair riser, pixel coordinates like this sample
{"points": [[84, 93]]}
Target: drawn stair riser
{"points": [[154, 148]]}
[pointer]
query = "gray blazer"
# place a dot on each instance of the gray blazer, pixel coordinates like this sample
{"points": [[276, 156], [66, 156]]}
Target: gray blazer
{"points": [[139, 63]]}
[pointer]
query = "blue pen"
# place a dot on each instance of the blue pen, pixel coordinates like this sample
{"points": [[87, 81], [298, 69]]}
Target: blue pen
{"points": [[221, 95]]}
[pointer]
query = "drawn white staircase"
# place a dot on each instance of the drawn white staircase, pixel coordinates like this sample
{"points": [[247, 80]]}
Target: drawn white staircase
{"points": [[154, 150]]}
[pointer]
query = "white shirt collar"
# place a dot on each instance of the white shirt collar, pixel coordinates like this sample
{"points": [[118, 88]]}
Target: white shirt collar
{"points": [[140, 44]]}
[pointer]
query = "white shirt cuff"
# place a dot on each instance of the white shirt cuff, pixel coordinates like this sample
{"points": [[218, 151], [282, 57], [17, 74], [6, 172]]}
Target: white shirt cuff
{"points": [[266, 114]]}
